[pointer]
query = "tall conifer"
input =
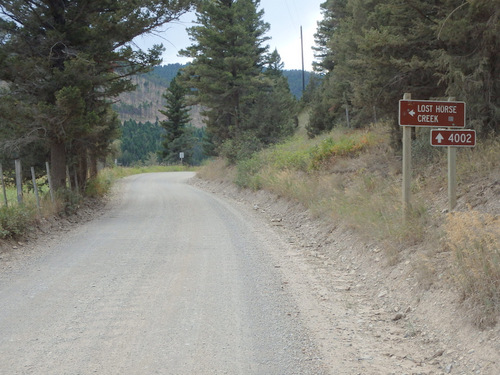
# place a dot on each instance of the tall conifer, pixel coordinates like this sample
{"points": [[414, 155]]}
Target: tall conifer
{"points": [[65, 60], [177, 137], [228, 54]]}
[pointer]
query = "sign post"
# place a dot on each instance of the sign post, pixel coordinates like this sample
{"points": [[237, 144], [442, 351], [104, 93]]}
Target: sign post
{"points": [[453, 139], [430, 113], [406, 164]]}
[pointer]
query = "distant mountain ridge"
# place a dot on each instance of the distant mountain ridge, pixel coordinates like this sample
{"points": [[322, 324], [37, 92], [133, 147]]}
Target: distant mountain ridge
{"points": [[143, 104]]}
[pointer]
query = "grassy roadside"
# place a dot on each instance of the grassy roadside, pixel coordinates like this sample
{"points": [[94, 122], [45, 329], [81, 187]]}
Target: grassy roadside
{"points": [[16, 220], [353, 177], [101, 185]]}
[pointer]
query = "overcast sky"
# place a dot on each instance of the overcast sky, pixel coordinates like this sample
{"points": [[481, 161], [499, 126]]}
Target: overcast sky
{"points": [[285, 17]]}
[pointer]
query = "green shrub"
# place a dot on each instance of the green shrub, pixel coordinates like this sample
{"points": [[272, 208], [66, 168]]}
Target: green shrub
{"points": [[346, 145], [100, 185], [14, 220], [70, 201], [247, 173]]}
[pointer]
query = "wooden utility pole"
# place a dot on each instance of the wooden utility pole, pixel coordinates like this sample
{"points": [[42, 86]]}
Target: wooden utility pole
{"points": [[303, 69]]}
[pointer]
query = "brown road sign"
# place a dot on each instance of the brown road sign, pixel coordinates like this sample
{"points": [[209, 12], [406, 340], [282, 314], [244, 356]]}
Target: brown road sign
{"points": [[431, 113], [455, 138]]}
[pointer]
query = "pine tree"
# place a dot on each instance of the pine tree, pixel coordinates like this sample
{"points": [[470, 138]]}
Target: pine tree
{"points": [[177, 137], [380, 49], [333, 12], [469, 62], [66, 59], [228, 58]]}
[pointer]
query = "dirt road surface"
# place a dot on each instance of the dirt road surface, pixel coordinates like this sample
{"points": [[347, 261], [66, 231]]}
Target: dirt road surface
{"points": [[185, 276], [170, 280]]}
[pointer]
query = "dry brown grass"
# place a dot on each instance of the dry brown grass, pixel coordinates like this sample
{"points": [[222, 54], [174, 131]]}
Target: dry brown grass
{"points": [[217, 170], [474, 239]]}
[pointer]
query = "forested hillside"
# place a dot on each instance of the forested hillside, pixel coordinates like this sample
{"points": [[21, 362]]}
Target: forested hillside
{"points": [[295, 82], [143, 104]]}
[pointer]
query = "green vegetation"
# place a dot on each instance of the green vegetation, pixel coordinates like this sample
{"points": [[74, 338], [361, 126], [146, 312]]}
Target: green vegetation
{"points": [[138, 141], [294, 78], [102, 184], [15, 219], [141, 144], [177, 136], [301, 155], [371, 52], [247, 102], [62, 63]]}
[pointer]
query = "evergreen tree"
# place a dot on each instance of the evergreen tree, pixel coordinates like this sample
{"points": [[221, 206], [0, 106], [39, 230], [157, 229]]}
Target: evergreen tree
{"points": [[333, 12], [377, 50], [268, 118], [177, 137], [66, 59], [228, 58], [275, 65], [468, 61]]}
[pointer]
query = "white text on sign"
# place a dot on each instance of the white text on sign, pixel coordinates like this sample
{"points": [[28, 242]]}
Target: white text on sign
{"points": [[453, 138], [431, 113], [427, 118], [429, 108]]}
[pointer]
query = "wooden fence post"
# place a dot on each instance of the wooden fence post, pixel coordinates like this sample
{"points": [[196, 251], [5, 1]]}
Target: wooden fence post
{"points": [[49, 179], [35, 187], [3, 187], [19, 181]]}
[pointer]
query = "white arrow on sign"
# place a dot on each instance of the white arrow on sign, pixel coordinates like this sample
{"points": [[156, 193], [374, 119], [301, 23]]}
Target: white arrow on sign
{"points": [[412, 113], [439, 138]]}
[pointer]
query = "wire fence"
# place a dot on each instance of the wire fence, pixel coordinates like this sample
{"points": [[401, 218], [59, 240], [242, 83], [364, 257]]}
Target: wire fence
{"points": [[18, 185]]}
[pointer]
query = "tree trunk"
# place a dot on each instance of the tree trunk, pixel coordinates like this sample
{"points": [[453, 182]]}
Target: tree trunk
{"points": [[93, 165], [58, 161], [82, 169]]}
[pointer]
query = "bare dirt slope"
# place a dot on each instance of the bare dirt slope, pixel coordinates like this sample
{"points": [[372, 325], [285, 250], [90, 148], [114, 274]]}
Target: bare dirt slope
{"points": [[369, 318]]}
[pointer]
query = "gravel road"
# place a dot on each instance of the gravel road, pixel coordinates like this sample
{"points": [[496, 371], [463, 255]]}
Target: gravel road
{"points": [[170, 280]]}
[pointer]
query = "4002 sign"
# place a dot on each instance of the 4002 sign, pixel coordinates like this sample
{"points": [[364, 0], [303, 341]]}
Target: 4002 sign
{"points": [[455, 138]]}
